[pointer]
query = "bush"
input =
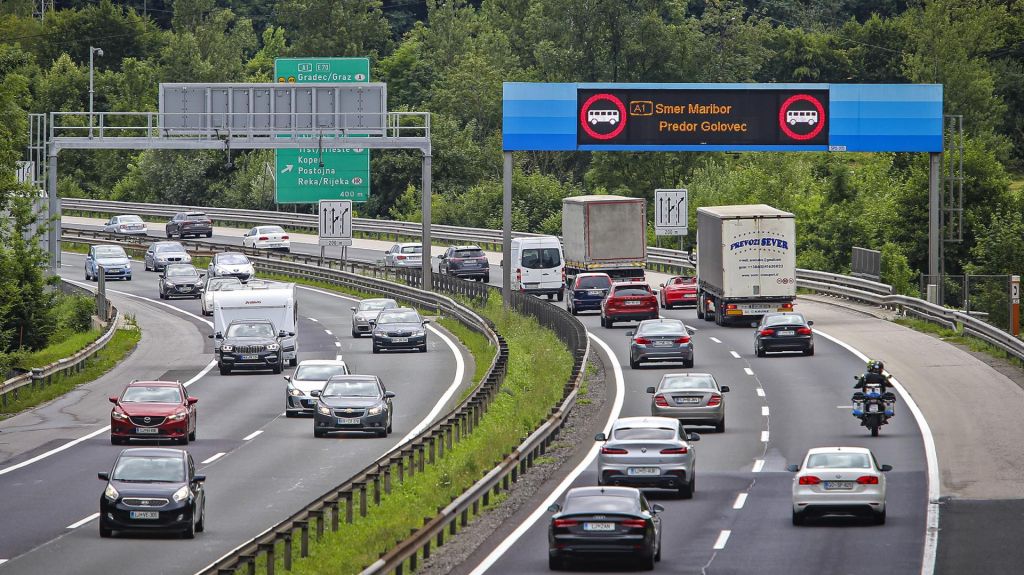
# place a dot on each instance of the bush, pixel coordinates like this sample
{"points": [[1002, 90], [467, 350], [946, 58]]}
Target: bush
{"points": [[74, 315]]}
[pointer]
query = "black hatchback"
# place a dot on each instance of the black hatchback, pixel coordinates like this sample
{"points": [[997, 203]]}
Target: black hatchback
{"points": [[783, 332]]}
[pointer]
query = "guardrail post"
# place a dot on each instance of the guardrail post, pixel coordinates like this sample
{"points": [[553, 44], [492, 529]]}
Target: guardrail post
{"points": [[250, 564], [37, 378], [426, 544], [401, 467], [452, 527], [412, 461], [387, 479], [349, 506], [515, 474], [376, 489], [268, 548], [303, 537], [421, 457], [288, 551], [464, 518], [335, 513], [413, 559], [318, 516], [362, 499], [448, 429], [439, 434]]}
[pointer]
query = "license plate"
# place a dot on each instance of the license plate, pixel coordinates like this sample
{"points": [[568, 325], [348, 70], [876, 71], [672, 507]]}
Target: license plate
{"points": [[643, 471], [249, 356], [399, 340], [634, 303], [145, 430], [838, 485], [275, 245], [787, 332], [688, 400], [532, 284], [873, 408], [348, 421], [595, 292], [662, 343], [590, 526], [144, 514]]}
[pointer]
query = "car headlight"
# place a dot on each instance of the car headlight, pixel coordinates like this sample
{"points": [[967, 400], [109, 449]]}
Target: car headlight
{"points": [[323, 409], [182, 494], [227, 348], [118, 415], [294, 391], [376, 410], [177, 416], [169, 283], [273, 347], [110, 493], [418, 333]]}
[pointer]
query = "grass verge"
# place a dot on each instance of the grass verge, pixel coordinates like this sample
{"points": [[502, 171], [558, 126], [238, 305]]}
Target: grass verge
{"points": [[51, 353], [539, 365], [120, 345], [958, 337]]}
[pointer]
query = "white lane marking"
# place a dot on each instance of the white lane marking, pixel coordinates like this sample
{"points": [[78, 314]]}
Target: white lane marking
{"points": [[252, 435], [723, 537], [748, 371], [2, 561], [734, 354], [758, 466], [760, 392], [741, 499], [215, 457], [716, 340], [844, 407], [931, 534], [313, 319], [504, 546], [82, 522], [328, 332], [337, 344], [764, 436], [764, 410], [337, 357]]}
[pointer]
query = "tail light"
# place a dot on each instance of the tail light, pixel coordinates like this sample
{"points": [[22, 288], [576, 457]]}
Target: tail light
{"points": [[563, 275], [455, 260], [565, 523], [264, 238], [786, 307], [809, 480], [519, 279], [868, 480], [715, 400], [399, 257], [803, 331], [660, 400], [766, 332], [613, 451], [284, 237], [684, 339], [637, 523], [731, 306], [643, 341], [675, 451]]}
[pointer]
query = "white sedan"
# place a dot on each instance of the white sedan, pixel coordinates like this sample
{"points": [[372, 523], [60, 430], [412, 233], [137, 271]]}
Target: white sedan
{"points": [[129, 225], [267, 238], [839, 480]]}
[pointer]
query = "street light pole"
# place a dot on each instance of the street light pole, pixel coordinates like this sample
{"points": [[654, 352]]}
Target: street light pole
{"points": [[99, 52]]}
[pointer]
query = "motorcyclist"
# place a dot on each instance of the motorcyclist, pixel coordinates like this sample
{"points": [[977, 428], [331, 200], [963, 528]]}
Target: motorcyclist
{"points": [[872, 376]]}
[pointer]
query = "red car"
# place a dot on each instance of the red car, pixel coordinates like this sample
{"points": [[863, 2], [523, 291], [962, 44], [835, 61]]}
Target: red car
{"points": [[153, 410], [679, 290], [628, 302]]}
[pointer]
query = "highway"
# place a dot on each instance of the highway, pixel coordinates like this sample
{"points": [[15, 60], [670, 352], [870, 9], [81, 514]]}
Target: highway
{"points": [[261, 466]]}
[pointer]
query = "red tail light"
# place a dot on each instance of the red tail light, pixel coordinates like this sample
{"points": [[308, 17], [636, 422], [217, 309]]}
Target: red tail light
{"points": [[809, 480], [637, 523], [399, 257], [643, 341], [803, 331], [456, 260], [563, 275], [675, 451], [786, 307], [868, 480], [660, 400], [730, 306], [284, 237], [519, 279], [767, 332], [613, 451], [264, 238], [715, 400], [565, 523], [684, 339]]}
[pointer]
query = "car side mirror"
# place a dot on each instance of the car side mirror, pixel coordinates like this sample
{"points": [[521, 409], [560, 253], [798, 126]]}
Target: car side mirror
{"points": [[198, 478], [315, 393], [372, 323], [753, 324], [161, 276], [856, 378], [725, 389], [218, 335], [657, 508], [793, 468], [426, 321], [693, 437], [287, 378], [113, 399], [105, 476], [554, 508], [661, 285], [282, 333], [886, 468], [651, 389], [353, 308], [389, 394], [631, 333], [600, 437], [193, 400]]}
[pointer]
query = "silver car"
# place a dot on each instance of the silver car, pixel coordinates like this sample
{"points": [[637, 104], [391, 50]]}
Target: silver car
{"points": [[159, 254], [367, 311], [648, 452], [227, 264], [692, 398], [310, 375], [660, 340], [839, 480], [127, 225], [408, 255], [216, 284]]}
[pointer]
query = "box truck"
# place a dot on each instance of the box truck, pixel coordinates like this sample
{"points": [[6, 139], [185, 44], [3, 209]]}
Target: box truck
{"points": [[604, 234], [746, 262], [266, 300]]}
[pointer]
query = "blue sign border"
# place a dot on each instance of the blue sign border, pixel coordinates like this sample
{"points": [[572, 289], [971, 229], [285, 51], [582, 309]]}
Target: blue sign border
{"points": [[864, 117]]}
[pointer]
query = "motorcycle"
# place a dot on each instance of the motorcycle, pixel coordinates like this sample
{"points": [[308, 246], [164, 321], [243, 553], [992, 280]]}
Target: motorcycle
{"points": [[873, 407]]}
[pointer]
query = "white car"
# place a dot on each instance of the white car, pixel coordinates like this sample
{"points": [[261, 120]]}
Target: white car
{"points": [[404, 256], [128, 225], [216, 284], [267, 238], [228, 264], [839, 480], [311, 374]]}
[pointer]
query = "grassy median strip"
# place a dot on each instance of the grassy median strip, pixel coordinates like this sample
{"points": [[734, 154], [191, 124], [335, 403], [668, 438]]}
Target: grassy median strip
{"points": [[539, 365], [958, 338]]}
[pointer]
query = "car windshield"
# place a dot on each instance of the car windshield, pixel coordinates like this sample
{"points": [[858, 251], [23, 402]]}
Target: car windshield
{"points": [[160, 248], [156, 394], [250, 330], [682, 280], [197, 216], [375, 304], [319, 372], [398, 317], [601, 504], [135, 468], [632, 290], [352, 388], [662, 328], [469, 253], [784, 320], [541, 258], [272, 230], [110, 252], [687, 382], [218, 284], [131, 220], [412, 249], [594, 282], [838, 461], [181, 271], [232, 259], [645, 433]]}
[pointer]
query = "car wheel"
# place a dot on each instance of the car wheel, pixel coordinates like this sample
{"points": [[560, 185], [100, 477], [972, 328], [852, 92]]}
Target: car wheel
{"points": [[720, 426], [657, 555], [201, 525], [183, 440], [290, 414], [225, 370], [209, 234], [114, 440], [145, 265], [798, 518], [647, 562], [318, 432], [561, 295], [355, 333], [633, 364], [688, 363], [276, 369], [129, 278], [293, 362], [105, 532], [809, 351], [759, 351], [555, 563], [162, 296], [602, 321], [686, 491], [389, 424], [880, 518], [190, 531], [382, 433], [487, 279], [376, 349], [192, 436], [609, 323], [423, 349]]}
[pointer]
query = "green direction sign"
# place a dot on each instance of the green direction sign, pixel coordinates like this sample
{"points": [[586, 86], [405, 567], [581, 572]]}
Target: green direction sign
{"points": [[308, 175]]}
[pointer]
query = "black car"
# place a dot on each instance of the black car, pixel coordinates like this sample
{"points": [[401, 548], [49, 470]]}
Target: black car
{"points": [[185, 224], [465, 262], [597, 522], [181, 280], [153, 489], [249, 344], [399, 328], [586, 291], [783, 332], [353, 403]]}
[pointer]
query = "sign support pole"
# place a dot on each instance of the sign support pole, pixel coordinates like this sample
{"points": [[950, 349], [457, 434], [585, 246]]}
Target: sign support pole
{"points": [[427, 257], [935, 221], [506, 233], [53, 212], [1015, 305]]}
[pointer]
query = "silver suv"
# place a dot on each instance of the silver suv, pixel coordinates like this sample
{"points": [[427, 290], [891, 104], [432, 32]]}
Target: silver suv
{"points": [[648, 452]]}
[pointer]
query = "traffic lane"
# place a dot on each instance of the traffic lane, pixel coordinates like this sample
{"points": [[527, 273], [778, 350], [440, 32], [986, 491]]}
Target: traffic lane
{"points": [[968, 542]]}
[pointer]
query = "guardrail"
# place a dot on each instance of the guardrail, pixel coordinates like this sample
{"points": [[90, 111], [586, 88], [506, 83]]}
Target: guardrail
{"points": [[41, 377]]}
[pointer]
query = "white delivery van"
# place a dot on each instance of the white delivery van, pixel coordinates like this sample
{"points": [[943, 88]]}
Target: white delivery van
{"points": [[262, 299], [538, 266]]}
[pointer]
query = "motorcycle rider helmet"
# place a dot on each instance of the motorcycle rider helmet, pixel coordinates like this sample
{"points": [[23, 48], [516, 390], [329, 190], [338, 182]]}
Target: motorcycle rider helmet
{"points": [[875, 366]]}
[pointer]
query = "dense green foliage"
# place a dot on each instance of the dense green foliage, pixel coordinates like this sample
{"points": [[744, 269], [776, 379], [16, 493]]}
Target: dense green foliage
{"points": [[449, 57]]}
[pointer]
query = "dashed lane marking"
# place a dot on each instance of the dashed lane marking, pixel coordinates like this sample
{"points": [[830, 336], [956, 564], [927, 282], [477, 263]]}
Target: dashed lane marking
{"points": [[716, 340], [252, 435], [758, 466], [760, 392], [723, 537], [328, 332], [764, 410], [764, 436], [215, 457], [82, 522], [748, 371], [741, 499], [734, 354]]}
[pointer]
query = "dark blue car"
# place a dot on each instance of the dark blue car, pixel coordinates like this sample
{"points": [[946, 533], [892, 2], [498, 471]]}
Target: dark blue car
{"points": [[586, 291]]}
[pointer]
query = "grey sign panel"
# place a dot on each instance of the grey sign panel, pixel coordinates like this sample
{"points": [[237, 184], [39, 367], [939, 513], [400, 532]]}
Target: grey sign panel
{"points": [[671, 213], [272, 109], [866, 264], [335, 223]]}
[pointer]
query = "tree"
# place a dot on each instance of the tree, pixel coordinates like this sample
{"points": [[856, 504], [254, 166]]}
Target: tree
{"points": [[27, 303], [354, 28]]}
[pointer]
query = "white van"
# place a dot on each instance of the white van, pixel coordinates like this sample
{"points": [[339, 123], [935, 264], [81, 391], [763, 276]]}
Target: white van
{"points": [[537, 266]]}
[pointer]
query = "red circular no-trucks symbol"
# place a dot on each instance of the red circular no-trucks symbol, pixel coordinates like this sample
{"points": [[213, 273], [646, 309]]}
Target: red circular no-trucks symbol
{"points": [[589, 118], [788, 118]]}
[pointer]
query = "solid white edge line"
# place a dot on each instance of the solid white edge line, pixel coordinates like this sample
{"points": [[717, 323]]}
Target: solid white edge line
{"points": [[748, 371], [328, 332], [313, 319], [337, 344], [764, 436], [758, 466], [723, 538], [760, 392], [741, 499], [337, 357], [82, 522], [931, 535], [764, 410], [252, 435], [2, 561], [716, 340], [734, 354], [215, 457], [508, 542]]}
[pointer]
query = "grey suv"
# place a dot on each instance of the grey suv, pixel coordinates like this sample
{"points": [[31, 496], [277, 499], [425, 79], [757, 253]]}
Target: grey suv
{"points": [[185, 224], [465, 262], [249, 344]]}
